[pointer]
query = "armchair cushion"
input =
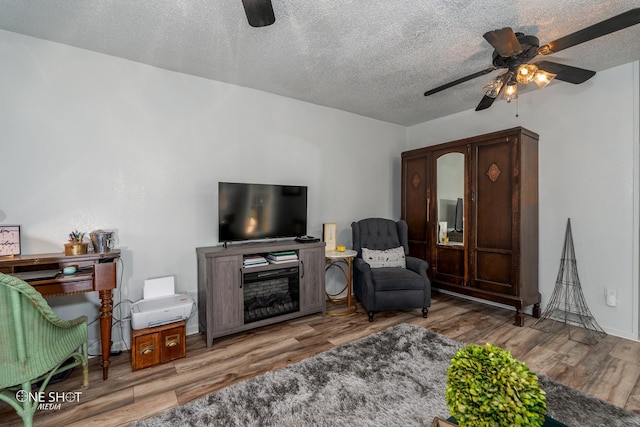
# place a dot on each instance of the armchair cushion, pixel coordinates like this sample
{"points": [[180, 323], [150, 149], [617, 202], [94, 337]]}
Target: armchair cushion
{"points": [[393, 257], [395, 279]]}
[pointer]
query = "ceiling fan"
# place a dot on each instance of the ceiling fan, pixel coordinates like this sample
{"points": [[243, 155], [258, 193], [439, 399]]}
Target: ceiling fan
{"points": [[514, 51], [259, 12]]}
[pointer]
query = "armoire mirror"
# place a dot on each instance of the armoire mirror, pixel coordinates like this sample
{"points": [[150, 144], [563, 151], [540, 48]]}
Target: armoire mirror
{"points": [[450, 194]]}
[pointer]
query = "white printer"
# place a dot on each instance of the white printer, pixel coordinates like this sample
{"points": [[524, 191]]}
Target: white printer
{"points": [[160, 305]]}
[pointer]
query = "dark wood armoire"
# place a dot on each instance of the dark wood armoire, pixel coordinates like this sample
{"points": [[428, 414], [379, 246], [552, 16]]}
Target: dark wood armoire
{"points": [[472, 210]]}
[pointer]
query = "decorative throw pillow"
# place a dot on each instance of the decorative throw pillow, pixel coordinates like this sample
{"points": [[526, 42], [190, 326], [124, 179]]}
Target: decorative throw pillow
{"points": [[387, 258]]}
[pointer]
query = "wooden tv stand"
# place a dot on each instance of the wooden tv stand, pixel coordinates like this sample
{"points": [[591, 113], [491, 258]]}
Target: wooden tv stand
{"points": [[221, 276], [96, 272]]}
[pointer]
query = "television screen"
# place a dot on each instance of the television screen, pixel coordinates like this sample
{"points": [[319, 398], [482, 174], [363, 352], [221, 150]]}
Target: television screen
{"points": [[452, 212], [261, 211]]}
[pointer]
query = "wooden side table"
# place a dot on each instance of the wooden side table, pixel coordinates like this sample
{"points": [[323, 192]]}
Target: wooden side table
{"points": [[152, 346], [341, 260]]}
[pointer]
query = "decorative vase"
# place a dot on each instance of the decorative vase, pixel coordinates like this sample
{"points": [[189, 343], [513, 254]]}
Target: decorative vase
{"points": [[75, 248]]}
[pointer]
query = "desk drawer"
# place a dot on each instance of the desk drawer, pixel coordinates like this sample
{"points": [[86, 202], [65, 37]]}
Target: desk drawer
{"points": [[172, 343], [58, 288]]}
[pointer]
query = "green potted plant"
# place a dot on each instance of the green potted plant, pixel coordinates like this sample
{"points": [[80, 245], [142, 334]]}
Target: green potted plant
{"points": [[486, 386]]}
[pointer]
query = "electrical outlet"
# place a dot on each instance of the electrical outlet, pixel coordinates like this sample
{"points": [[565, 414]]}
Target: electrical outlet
{"points": [[611, 297]]}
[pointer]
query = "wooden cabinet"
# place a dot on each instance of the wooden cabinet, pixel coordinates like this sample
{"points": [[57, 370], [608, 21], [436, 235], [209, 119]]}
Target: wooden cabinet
{"points": [[223, 285], [312, 295], [160, 344], [227, 292], [491, 252]]}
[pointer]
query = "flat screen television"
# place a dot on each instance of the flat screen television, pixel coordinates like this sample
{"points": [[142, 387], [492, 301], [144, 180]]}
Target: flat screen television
{"points": [[261, 211], [452, 211]]}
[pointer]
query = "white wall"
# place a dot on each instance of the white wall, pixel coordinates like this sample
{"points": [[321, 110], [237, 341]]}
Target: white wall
{"points": [[91, 141], [588, 166]]}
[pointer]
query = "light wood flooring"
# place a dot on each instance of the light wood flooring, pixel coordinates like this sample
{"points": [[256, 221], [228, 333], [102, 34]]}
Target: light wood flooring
{"points": [[609, 370]]}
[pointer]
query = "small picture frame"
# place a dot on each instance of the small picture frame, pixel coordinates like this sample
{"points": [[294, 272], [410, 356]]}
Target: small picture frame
{"points": [[9, 240], [329, 231]]}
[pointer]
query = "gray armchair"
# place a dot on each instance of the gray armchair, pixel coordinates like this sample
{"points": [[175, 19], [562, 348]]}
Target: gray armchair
{"points": [[388, 288]]}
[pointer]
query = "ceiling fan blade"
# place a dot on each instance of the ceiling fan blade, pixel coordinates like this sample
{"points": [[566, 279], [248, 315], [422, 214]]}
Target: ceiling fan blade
{"points": [[460, 80], [259, 12], [566, 73], [608, 26], [485, 102], [504, 41]]}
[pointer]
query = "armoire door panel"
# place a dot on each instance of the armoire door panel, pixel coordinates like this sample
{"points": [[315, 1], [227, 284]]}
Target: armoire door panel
{"points": [[418, 250], [415, 206], [416, 194], [493, 272], [493, 195], [449, 265]]}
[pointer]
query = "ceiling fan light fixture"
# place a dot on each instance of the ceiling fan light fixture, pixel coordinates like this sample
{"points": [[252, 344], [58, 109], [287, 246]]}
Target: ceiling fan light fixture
{"points": [[510, 91], [492, 90], [526, 73], [513, 51], [543, 78]]}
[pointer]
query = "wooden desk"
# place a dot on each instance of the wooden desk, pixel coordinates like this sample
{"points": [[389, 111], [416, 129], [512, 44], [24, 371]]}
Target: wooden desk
{"points": [[96, 272]]}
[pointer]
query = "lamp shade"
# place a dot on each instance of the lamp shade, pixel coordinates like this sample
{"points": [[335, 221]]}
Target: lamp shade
{"points": [[543, 78], [526, 73], [510, 91], [492, 90]]}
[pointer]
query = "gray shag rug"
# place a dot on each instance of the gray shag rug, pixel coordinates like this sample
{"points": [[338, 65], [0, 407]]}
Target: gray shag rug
{"points": [[395, 377]]}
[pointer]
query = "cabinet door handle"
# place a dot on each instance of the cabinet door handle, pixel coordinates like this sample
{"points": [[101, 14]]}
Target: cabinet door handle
{"points": [[241, 278], [149, 348], [172, 340], [428, 206], [302, 268]]}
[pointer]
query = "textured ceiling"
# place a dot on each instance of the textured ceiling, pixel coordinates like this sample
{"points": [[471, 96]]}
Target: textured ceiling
{"points": [[372, 58]]}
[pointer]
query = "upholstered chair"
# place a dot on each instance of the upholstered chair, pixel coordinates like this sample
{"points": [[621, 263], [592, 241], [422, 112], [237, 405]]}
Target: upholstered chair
{"points": [[386, 278], [35, 345]]}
